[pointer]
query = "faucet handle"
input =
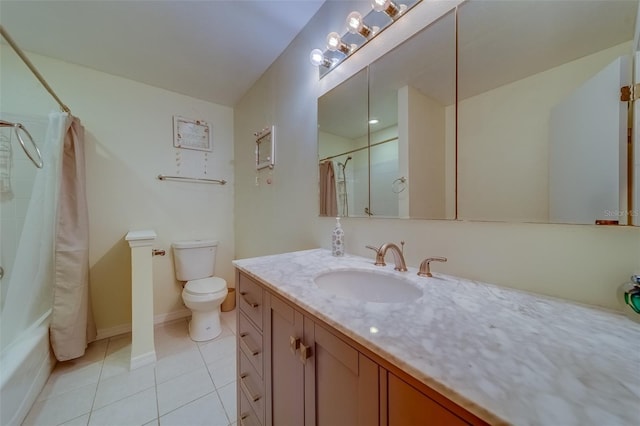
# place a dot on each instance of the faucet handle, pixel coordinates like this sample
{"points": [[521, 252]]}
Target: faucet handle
{"points": [[425, 271], [379, 257]]}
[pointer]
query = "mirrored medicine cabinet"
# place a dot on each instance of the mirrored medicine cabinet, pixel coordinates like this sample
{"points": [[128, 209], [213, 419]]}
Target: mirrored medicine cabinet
{"points": [[497, 111]]}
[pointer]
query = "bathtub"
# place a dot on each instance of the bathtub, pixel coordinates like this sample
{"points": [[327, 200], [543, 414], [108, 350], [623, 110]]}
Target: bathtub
{"points": [[25, 367]]}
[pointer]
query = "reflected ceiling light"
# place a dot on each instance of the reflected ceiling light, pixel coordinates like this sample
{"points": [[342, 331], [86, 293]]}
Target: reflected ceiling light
{"points": [[317, 58], [373, 330], [374, 121], [356, 25], [388, 7], [335, 43]]}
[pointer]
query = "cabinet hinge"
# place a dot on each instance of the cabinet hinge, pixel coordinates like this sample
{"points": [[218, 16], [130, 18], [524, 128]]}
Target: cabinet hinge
{"points": [[630, 93]]}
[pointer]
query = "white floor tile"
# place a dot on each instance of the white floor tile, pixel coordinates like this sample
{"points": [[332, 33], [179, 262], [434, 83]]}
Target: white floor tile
{"points": [[206, 411], [137, 409], [68, 376], [223, 371], [118, 387], [178, 364], [61, 408], [183, 390], [78, 421], [229, 319], [228, 396], [218, 349], [116, 364], [119, 345]]}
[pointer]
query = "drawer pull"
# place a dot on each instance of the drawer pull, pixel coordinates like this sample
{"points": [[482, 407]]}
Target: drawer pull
{"points": [[249, 302], [251, 395], [294, 344], [243, 417], [245, 346]]}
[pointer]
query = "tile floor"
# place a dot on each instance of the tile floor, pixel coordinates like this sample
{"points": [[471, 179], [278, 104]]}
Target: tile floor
{"points": [[190, 384]]}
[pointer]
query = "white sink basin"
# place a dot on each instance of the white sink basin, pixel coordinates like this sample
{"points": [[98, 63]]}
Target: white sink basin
{"points": [[368, 286]]}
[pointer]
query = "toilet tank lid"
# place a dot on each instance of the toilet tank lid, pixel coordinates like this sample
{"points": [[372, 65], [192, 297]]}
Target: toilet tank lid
{"points": [[194, 244]]}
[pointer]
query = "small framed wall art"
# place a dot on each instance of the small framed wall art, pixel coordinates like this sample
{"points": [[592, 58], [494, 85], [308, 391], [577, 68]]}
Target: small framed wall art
{"points": [[265, 148], [191, 134]]}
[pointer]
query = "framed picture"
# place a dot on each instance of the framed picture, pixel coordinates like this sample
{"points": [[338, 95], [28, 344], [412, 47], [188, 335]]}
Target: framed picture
{"points": [[191, 134], [265, 148]]}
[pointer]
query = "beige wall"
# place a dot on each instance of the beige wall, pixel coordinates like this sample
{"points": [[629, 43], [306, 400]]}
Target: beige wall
{"points": [[129, 141], [582, 263], [511, 139]]}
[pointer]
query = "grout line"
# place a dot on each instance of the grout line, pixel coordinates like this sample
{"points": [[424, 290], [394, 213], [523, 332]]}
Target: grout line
{"points": [[155, 381], [95, 395]]}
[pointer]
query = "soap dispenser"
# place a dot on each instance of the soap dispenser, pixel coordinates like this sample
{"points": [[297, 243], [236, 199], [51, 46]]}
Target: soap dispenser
{"points": [[337, 239]]}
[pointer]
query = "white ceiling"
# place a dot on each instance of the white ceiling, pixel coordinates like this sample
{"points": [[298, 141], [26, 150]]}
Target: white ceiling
{"points": [[209, 49]]}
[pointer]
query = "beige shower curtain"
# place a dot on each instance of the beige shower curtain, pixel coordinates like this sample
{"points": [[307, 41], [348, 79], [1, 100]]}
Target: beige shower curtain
{"points": [[72, 326], [328, 199]]}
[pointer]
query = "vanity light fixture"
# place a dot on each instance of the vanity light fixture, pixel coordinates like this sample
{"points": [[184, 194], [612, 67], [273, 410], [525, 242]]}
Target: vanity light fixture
{"points": [[341, 47], [355, 25], [335, 43], [389, 7]]}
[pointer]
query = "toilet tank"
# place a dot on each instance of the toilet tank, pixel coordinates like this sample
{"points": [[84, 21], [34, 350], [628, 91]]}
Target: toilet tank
{"points": [[194, 259]]}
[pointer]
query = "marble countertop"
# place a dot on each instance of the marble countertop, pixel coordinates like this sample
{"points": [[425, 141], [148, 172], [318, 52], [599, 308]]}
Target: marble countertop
{"points": [[505, 355]]}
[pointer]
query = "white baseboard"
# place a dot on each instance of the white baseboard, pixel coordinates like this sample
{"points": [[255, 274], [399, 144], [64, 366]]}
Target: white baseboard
{"points": [[104, 333], [142, 360]]}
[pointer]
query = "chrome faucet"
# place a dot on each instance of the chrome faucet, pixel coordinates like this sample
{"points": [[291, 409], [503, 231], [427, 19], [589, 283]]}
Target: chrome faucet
{"points": [[424, 266], [398, 257]]}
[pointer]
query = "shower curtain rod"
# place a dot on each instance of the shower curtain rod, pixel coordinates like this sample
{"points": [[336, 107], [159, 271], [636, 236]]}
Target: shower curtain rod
{"points": [[358, 149], [32, 68]]}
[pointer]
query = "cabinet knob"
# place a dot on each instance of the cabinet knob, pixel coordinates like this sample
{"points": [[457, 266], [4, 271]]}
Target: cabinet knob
{"points": [[294, 344], [305, 353]]}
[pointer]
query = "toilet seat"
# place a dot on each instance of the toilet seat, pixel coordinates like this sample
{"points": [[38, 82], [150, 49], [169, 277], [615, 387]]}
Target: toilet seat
{"points": [[204, 286]]}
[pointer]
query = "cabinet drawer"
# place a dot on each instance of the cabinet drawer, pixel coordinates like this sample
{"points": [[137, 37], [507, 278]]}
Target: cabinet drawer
{"points": [[251, 386], [250, 342], [250, 299], [247, 417]]}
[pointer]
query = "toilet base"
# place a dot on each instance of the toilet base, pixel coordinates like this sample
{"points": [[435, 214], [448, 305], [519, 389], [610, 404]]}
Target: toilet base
{"points": [[204, 325]]}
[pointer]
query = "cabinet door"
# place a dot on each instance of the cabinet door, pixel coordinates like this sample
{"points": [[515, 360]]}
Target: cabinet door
{"points": [[341, 384], [286, 375], [408, 406]]}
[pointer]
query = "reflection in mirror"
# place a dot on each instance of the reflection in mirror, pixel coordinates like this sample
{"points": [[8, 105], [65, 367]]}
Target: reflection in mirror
{"points": [[343, 149], [412, 100], [542, 134]]}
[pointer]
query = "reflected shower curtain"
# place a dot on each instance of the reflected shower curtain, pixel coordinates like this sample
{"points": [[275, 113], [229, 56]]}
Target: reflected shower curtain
{"points": [[28, 283], [328, 200], [72, 326]]}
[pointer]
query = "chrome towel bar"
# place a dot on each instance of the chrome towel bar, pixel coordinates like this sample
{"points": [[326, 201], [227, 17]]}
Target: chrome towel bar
{"points": [[192, 179]]}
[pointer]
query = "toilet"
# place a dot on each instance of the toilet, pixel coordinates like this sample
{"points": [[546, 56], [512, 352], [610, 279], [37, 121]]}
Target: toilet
{"points": [[202, 293]]}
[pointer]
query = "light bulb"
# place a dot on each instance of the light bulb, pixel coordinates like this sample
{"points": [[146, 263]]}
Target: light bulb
{"points": [[354, 22], [388, 7], [379, 5], [317, 58], [333, 41]]}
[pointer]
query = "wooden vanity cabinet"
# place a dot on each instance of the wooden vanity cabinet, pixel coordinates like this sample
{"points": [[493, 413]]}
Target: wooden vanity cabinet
{"points": [[313, 375]]}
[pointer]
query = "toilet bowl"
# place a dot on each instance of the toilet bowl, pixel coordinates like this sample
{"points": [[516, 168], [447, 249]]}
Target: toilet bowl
{"points": [[202, 293], [204, 297]]}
